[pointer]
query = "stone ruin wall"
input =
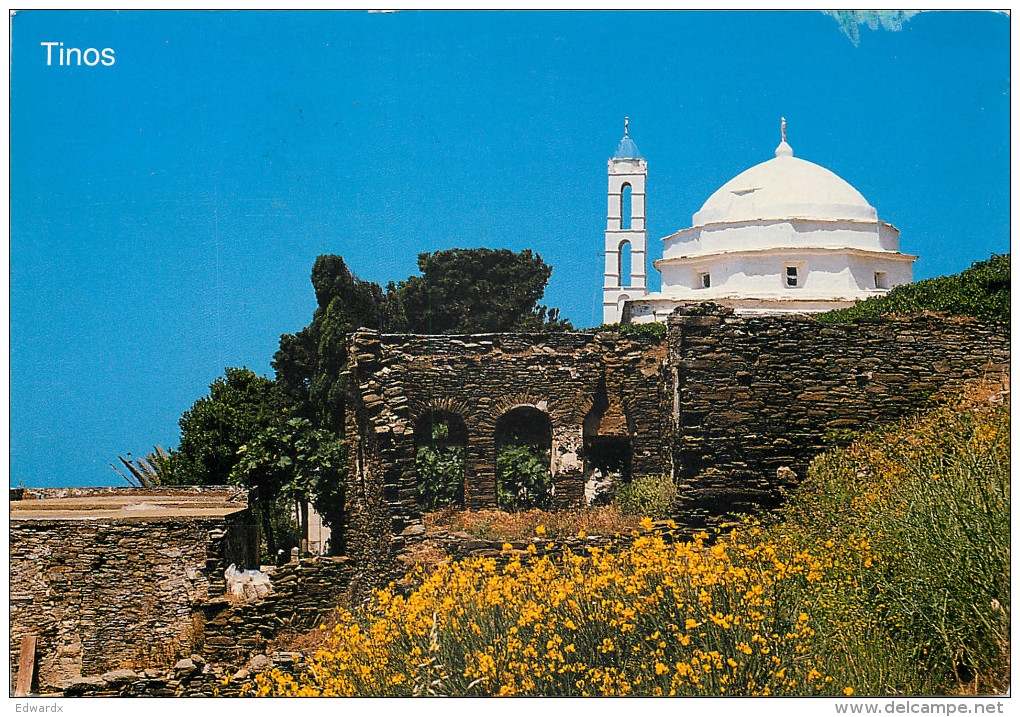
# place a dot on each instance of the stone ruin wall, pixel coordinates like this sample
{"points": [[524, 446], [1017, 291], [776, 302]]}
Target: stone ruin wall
{"points": [[394, 379], [108, 593], [755, 395], [733, 408]]}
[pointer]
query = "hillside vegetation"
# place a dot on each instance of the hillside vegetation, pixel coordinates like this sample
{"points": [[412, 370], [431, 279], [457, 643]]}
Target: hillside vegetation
{"points": [[886, 573], [981, 291]]}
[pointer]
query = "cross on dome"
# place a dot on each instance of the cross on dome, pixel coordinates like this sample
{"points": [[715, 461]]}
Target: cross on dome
{"points": [[783, 150], [627, 149]]}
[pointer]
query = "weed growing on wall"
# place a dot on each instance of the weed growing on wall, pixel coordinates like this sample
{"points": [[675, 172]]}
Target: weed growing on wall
{"points": [[655, 329], [650, 495]]}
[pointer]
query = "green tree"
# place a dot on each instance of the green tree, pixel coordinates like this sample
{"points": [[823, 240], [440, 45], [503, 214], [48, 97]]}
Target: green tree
{"points": [[157, 468], [286, 464], [310, 363], [235, 410], [460, 291], [464, 291], [475, 290]]}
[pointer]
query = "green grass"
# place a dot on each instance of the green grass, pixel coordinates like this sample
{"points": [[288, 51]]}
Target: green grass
{"points": [[927, 610]]}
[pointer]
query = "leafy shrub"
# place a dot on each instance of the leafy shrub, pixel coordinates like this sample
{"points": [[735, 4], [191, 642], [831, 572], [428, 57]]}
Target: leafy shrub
{"points": [[522, 478], [439, 465], [981, 291], [655, 329], [647, 495], [440, 471]]}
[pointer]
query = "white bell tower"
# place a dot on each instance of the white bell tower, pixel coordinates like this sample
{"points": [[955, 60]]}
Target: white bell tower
{"points": [[625, 229]]}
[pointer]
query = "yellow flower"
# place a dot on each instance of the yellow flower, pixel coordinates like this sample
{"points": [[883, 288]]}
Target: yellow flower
{"points": [[848, 690], [540, 530], [646, 523]]}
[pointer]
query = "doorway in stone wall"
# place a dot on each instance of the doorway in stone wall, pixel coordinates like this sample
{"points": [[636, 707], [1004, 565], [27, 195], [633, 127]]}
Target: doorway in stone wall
{"points": [[523, 454], [608, 449], [440, 444]]}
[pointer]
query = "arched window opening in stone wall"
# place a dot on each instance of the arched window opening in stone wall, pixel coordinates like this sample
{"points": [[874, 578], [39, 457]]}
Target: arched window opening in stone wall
{"points": [[440, 440], [523, 459], [608, 450]]}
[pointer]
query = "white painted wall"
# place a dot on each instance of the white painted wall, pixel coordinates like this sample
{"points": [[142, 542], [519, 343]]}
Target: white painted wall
{"points": [[822, 274], [768, 234]]}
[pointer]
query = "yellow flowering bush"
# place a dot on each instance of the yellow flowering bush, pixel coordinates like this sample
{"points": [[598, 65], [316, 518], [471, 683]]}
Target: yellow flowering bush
{"points": [[657, 618]]}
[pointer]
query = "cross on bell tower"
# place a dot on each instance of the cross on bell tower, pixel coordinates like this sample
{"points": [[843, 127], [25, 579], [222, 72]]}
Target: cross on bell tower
{"points": [[625, 229]]}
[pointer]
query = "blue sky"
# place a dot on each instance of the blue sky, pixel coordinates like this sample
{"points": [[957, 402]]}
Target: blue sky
{"points": [[166, 210]]}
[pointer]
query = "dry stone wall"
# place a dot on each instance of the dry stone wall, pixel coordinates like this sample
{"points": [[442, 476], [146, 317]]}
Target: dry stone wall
{"points": [[733, 408], [439, 544], [102, 594], [757, 398], [189, 677], [304, 592]]}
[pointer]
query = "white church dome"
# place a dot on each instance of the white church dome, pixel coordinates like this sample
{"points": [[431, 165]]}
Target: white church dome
{"points": [[785, 188]]}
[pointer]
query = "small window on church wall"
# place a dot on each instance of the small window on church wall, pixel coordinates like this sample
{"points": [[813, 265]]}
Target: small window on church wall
{"points": [[881, 281], [625, 210], [791, 276], [624, 268], [704, 280]]}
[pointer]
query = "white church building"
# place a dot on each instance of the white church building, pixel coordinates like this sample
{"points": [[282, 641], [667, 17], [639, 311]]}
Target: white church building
{"points": [[785, 236]]}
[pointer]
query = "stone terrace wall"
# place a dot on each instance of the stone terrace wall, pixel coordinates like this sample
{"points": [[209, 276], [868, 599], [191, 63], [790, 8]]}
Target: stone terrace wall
{"points": [[394, 379], [756, 394], [303, 594], [236, 495], [102, 594]]}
